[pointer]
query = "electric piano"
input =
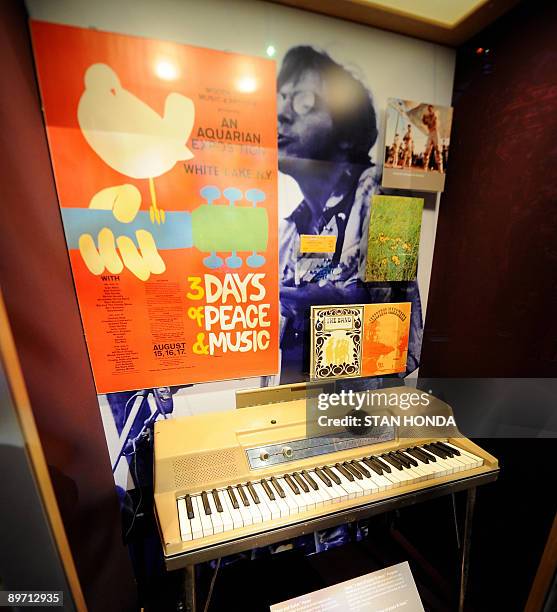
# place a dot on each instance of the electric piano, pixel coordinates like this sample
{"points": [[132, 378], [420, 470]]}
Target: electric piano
{"points": [[226, 482]]}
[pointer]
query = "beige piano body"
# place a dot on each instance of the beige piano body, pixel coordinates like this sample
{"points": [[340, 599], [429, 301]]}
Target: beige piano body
{"points": [[207, 451]]}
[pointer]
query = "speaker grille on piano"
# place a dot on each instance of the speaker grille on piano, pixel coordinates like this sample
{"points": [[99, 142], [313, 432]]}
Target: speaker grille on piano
{"points": [[196, 470]]}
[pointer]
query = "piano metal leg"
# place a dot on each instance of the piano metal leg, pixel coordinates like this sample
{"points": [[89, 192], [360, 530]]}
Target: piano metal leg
{"points": [[456, 529], [189, 588], [470, 503]]}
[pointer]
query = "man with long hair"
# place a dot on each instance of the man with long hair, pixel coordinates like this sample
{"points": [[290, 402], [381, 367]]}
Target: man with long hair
{"points": [[326, 128]]}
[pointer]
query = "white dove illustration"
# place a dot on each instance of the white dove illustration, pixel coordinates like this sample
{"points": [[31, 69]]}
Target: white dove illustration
{"points": [[128, 134]]}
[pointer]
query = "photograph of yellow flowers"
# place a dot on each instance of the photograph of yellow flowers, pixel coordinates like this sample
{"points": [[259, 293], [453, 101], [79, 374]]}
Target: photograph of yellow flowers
{"points": [[394, 238]]}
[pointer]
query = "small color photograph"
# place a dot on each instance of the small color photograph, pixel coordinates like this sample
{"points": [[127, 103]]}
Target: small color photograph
{"points": [[417, 139]]}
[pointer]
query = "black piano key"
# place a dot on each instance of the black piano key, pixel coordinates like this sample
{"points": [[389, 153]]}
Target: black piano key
{"points": [[358, 466], [400, 457], [352, 470], [454, 451], [417, 453], [233, 499], [373, 466], [278, 488], [394, 462], [253, 493], [310, 480], [430, 456], [205, 501], [292, 484], [189, 507], [413, 461], [378, 464], [344, 472], [384, 466], [301, 482], [243, 495], [323, 477], [331, 475], [437, 451], [216, 499], [445, 449], [406, 459], [268, 489]]}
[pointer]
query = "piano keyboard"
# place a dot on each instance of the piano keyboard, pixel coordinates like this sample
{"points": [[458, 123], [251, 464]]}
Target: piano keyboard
{"points": [[230, 481], [256, 502]]}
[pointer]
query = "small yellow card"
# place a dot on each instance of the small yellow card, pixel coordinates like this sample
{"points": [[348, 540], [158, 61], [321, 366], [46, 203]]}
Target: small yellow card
{"points": [[310, 243]]}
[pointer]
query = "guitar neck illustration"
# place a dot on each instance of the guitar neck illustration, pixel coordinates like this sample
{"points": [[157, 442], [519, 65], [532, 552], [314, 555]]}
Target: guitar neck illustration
{"points": [[211, 228]]}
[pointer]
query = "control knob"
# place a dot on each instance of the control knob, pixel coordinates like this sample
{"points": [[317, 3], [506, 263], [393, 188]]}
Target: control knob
{"points": [[287, 452]]}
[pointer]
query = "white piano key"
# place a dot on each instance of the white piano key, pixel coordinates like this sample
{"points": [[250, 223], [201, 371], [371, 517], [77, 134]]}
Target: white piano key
{"points": [[460, 463], [216, 519], [314, 494], [185, 527], [429, 468], [235, 515], [367, 483], [253, 508], [196, 522], [296, 498], [294, 508], [317, 497], [454, 464], [206, 524], [247, 518], [478, 461], [393, 479], [443, 467], [417, 470], [226, 517], [269, 504], [396, 476], [273, 502], [262, 505], [351, 488], [421, 464], [309, 501], [466, 463], [322, 489], [300, 500], [413, 475], [404, 476], [340, 493], [283, 507], [450, 465], [381, 481]]}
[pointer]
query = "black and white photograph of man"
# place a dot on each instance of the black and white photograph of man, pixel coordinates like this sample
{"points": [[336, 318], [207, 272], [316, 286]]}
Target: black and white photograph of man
{"points": [[327, 126]]}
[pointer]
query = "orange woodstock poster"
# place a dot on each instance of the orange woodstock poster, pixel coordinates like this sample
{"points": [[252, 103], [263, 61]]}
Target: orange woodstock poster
{"points": [[165, 164]]}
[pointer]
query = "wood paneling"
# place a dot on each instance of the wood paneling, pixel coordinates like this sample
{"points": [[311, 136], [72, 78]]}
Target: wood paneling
{"points": [[493, 292]]}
